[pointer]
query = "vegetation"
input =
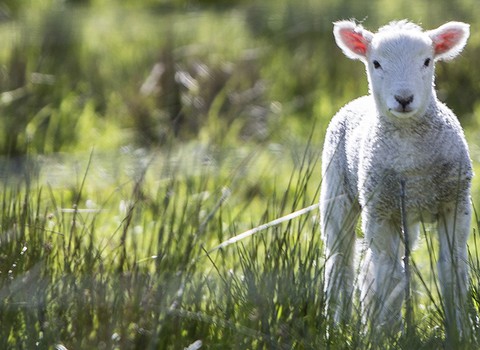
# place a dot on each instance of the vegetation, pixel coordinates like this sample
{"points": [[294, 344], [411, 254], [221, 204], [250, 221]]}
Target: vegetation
{"points": [[136, 137]]}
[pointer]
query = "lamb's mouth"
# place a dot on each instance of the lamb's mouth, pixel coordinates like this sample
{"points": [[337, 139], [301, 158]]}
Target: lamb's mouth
{"points": [[403, 112]]}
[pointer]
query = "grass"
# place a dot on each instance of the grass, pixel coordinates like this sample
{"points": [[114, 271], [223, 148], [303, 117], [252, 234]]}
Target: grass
{"points": [[126, 264], [81, 276]]}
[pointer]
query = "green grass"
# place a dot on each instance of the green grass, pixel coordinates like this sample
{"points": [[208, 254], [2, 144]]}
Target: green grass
{"points": [[124, 262], [136, 265], [109, 248]]}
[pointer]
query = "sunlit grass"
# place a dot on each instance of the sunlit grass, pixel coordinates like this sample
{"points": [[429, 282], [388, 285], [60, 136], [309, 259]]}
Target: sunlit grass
{"points": [[114, 250], [155, 230]]}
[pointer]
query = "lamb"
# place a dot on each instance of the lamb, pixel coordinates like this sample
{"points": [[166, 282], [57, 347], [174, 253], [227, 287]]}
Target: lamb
{"points": [[400, 132]]}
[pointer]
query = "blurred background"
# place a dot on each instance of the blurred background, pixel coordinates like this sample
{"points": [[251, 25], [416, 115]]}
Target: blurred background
{"points": [[77, 74]]}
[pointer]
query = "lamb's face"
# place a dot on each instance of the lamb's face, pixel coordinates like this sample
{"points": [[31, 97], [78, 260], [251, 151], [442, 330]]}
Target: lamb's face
{"points": [[400, 61], [400, 70]]}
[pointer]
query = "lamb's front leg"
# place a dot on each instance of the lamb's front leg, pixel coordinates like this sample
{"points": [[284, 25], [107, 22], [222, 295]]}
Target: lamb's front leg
{"points": [[339, 216], [453, 230], [383, 285]]}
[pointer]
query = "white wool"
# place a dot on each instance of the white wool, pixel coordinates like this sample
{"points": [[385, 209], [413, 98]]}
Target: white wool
{"points": [[399, 132]]}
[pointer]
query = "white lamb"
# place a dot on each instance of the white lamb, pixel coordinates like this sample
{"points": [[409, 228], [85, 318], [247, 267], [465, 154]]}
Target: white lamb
{"points": [[400, 132]]}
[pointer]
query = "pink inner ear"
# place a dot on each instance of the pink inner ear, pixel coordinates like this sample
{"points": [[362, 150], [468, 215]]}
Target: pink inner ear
{"points": [[354, 41], [446, 41]]}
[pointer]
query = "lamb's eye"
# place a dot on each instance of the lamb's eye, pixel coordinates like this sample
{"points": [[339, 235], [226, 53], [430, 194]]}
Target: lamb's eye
{"points": [[427, 62], [376, 64]]}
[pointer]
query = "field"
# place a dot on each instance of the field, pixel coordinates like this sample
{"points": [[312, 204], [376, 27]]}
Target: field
{"points": [[136, 138]]}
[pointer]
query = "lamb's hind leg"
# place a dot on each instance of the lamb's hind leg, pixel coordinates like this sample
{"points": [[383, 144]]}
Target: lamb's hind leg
{"points": [[453, 230], [339, 215]]}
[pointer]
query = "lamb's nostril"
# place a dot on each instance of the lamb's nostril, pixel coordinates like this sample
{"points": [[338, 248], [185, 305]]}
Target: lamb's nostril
{"points": [[404, 100]]}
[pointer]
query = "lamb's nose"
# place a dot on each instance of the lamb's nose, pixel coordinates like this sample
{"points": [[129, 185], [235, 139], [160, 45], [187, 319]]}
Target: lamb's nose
{"points": [[404, 100]]}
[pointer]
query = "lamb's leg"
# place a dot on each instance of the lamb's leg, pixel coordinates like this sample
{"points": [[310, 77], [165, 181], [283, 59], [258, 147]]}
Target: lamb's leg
{"points": [[453, 230], [339, 215], [383, 284]]}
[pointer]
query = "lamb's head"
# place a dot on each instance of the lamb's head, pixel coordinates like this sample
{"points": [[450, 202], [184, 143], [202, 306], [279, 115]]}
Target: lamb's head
{"points": [[400, 61]]}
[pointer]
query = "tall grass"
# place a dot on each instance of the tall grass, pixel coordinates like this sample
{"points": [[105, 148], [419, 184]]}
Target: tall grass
{"points": [[135, 272]]}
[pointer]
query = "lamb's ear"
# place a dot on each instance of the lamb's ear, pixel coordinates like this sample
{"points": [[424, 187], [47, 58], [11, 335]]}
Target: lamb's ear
{"points": [[353, 39], [449, 39]]}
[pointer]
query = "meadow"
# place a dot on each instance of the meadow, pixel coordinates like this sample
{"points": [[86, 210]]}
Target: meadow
{"points": [[137, 136]]}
